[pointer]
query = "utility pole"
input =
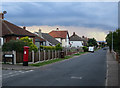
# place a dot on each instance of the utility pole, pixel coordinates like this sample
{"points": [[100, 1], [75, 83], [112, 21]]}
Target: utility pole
{"points": [[112, 41]]}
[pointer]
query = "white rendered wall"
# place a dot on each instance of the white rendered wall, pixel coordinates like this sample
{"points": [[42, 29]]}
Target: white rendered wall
{"points": [[76, 43], [1, 41], [59, 39]]}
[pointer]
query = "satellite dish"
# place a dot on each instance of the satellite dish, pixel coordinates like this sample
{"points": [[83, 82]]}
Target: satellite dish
{"points": [[4, 12]]}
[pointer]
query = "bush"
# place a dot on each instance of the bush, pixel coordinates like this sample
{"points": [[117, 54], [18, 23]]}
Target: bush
{"points": [[16, 45], [29, 43], [85, 48], [58, 47]]}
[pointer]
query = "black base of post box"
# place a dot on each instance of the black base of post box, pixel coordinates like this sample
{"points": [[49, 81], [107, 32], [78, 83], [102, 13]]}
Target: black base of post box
{"points": [[25, 63]]}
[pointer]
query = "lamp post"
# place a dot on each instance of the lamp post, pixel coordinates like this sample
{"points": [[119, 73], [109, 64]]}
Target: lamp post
{"points": [[112, 41]]}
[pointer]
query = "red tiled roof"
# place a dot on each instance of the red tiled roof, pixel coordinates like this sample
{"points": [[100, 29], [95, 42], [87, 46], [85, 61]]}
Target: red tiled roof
{"points": [[11, 29], [58, 34]]}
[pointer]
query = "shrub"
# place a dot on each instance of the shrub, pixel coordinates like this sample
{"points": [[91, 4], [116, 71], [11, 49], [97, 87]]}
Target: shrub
{"points": [[16, 45], [58, 47], [85, 48], [29, 43]]}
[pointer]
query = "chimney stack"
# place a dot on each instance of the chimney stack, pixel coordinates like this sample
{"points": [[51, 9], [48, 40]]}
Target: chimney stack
{"points": [[57, 29], [83, 37], [73, 33], [40, 34], [24, 27]]}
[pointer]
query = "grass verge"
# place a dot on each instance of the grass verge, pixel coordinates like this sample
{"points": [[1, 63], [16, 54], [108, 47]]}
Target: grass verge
{"points": [[55, 60]]}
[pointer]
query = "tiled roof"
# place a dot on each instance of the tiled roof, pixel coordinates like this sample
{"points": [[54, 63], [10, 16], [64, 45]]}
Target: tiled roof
{"points": [[58, 34], [50, 39], [75, 38], [38, 39], [11, 29]]}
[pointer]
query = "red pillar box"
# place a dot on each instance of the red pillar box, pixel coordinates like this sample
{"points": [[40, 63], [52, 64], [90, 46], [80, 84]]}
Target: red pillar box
{"points": [[25, 56]]}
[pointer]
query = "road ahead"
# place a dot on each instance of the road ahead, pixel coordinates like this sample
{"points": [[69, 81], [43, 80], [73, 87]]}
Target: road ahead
{"points": [[85, 70]]}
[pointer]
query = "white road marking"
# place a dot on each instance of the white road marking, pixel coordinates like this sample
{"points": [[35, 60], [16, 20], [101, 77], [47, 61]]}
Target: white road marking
{"points": [[74, 77], [11, 74]]}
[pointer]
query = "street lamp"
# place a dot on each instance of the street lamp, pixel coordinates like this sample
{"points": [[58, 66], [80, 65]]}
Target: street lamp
{"points": [[112, 42]]}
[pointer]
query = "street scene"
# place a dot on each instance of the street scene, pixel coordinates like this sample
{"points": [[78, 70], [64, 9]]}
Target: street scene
{"points": [[47, 44], [78, 71]]}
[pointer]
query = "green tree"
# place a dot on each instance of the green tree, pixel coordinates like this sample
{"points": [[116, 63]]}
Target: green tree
{"points": [[116, 40], [92, 42], [29, 42]]}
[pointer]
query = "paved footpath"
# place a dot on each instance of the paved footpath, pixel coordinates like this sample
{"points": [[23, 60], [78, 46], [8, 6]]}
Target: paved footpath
{"points": [[112, 70], [17, 67]]}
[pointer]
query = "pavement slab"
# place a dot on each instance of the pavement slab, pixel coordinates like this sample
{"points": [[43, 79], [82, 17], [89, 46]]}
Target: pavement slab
{"points": [[112, 70]]}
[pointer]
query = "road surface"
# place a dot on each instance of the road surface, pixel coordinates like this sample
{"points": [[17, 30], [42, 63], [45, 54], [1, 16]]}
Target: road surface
{"points": [[84, 70]]}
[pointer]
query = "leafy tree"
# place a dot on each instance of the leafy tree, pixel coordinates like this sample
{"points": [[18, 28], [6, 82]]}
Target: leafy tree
{"points": [[116, 40], [92, 42], [29, 43]]}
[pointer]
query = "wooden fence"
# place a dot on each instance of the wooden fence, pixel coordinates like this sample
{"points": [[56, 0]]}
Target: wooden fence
{"points": [[40, 55]]}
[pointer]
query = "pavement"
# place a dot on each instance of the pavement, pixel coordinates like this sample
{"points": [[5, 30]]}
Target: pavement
{"points": [[17, 67], [112, 70], [84, 70]]}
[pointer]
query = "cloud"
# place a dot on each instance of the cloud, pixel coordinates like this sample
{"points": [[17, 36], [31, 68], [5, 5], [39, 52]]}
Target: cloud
{"points": [[99, 34], [88, 14]]}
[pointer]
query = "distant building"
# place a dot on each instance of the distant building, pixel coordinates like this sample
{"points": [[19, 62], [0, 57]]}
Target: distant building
{"points": [[62, 36], [50, 41], [76, 41]]}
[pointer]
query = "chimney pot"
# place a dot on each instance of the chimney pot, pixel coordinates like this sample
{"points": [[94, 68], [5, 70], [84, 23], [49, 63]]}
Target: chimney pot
{"points": [[40, 34], [24, 27], [57, 29], [73, 33]]}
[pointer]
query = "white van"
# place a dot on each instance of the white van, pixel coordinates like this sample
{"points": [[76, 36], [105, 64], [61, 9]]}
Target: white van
{"points": [[91, 49]]}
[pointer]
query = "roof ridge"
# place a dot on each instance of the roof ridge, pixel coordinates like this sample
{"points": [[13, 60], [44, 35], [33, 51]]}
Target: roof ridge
{"points": [[7, 27]]}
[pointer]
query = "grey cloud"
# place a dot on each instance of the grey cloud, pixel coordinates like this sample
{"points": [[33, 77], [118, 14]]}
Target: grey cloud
{"points": [[101, 15]]}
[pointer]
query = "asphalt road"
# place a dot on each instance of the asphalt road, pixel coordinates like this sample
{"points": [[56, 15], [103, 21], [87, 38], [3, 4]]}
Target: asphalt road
{"points": [[85, 70]]}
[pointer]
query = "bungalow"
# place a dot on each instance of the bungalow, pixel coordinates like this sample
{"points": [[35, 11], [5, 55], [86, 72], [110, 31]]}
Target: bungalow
{"points": [[76, 41], [13, 32], [50, 41], [62, 36]]}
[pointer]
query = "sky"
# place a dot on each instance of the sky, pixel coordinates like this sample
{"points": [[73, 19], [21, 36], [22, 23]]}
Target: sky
{"points": [[90, 19]]}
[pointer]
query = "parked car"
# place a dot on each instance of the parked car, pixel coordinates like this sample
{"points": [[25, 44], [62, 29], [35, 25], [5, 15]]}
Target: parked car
{"points": [[91, 49]]}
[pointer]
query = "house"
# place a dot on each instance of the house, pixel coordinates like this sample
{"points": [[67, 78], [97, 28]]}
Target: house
{"points": [[85, 40], [62, 36], [50, 41], [76, 41], [12, 32]]}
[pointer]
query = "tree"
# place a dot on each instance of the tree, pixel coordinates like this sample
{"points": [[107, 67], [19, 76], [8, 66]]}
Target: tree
{"points": [[29, 43], [92, 42], [116, 40], [16, 45]]}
